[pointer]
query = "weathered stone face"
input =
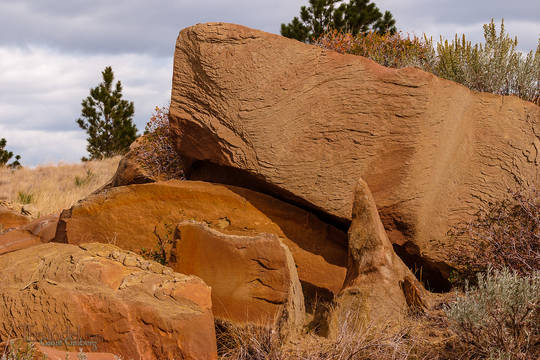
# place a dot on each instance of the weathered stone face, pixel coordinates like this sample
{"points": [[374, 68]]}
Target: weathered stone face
{"points": [[127, 305], [39, 231], [302, 123], [253, 278], [128, 216]]}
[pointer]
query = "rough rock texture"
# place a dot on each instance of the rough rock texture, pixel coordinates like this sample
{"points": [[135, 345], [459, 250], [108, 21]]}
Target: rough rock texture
{"points": [[377, 280], [11, 219], [253, 278], [303, 123], [127, 305], [130, 169], [39, 231], [44, 352], [127, 216]]}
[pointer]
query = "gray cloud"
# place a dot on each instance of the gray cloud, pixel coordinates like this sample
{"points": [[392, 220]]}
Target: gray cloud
{"points": [[104, 26], [52, 52]]}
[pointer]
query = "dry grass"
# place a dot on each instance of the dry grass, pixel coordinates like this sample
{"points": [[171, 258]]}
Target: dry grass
{"points": [[352, 339], [48, 189]]}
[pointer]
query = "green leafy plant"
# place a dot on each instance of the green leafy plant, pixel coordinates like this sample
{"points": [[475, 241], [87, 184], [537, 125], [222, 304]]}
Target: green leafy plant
{"points": [[84, 180], [164, 243], [25, 198], [18, 350], [495, 66], [107, 119], [6, 156], [499, 318]]}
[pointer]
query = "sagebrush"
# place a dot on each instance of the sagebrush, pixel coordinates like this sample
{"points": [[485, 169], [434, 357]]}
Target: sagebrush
{"points": [[499, 318], [495, 66]]}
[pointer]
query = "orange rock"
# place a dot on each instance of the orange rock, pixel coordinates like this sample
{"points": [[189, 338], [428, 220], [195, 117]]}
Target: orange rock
{"points": [[42, 230], [113, 299], [302, 123], [377, 278], [128, 216], [253, 278], [11, 219], [44, 352], [130, 169]]}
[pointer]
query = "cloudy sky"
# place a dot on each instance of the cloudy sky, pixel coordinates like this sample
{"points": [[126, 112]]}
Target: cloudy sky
{"points": [[52, 52]]}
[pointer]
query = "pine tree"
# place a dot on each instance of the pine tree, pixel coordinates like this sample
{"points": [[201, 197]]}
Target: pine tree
{"points": [[107, 119], [5, 156], [356, 16]]}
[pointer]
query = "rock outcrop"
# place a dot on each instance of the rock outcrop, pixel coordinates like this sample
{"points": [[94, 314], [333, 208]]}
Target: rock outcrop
{"points": [[303, 124], [123, 304], [253, 278], [42, 230], [9, 218], [133, 217], [131, 169], [378, 284]]}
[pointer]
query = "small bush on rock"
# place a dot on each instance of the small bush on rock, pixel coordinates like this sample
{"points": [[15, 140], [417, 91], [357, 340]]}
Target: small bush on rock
{"points": [[157, 153], [391, 50], [495, 66], [500, 318]]}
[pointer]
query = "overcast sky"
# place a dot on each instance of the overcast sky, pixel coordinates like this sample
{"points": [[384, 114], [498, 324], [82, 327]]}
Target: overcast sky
{"points": [[52, 53]]}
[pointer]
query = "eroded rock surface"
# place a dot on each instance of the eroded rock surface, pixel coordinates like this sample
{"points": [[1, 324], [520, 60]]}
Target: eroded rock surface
{"points": [[302, 123], [253, 278], [9, 218], [133, 217], [377, 279], [41, 230], [129, 306]]}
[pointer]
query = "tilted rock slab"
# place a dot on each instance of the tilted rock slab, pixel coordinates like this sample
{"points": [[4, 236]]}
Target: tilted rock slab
{"points": [[97, 292], [253, 278], [129, 216], [304, 124]]}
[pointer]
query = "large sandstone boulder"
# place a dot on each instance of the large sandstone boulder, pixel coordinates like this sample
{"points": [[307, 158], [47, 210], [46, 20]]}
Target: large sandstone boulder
{"points": [[303, 123], [138, 216], [111, 298], [253, 278], [378, 284]]}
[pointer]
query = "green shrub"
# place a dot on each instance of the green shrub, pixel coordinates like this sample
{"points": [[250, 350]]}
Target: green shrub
{"points": [[500, 318], [17, 350], [164, 244], [84, 180], [494, 66], [25, 198]]}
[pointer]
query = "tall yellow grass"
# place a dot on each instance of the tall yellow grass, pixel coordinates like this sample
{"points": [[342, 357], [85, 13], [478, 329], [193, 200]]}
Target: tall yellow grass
{"points": [[48, 189]]}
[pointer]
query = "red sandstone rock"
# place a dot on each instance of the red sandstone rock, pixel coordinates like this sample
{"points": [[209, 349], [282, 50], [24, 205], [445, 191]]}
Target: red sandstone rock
{"points": [[302, 123], [127, 305], [127, 216], [377, 282], [253, 278]]}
